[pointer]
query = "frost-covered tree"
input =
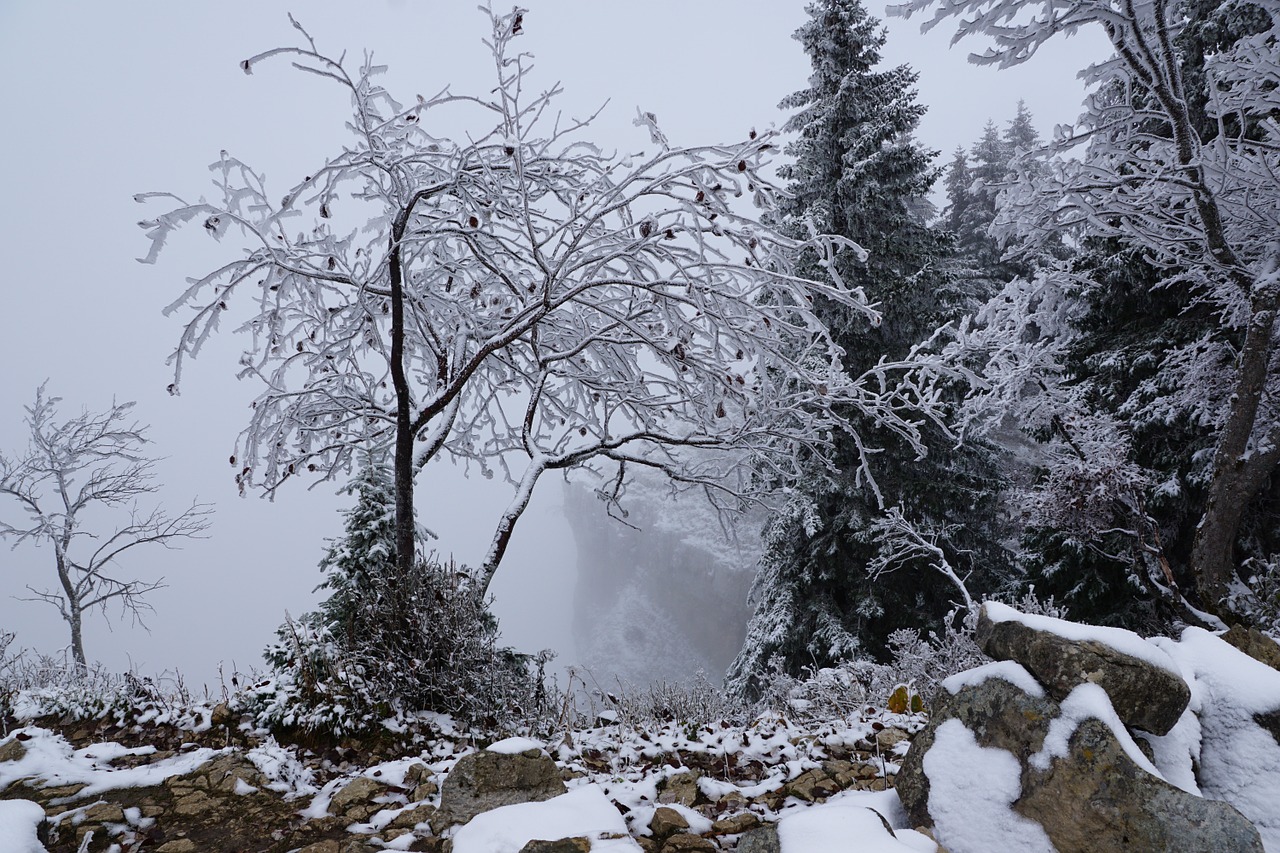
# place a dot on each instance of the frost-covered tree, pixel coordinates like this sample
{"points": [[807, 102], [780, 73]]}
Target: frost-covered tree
{"points": [[75, 476], [521, 301], [1180, 166], [859, 173]]}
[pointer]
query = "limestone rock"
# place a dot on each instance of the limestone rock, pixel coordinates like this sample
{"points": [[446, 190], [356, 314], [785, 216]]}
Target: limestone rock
{"points": [[1144, 695], [483, 781], [733, 824], [13, 750], [1097, 798], [354, 799]]}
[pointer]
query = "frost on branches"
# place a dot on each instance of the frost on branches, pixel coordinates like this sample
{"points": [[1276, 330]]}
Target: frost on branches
{"points": [[522, 301], [1184, 169]]}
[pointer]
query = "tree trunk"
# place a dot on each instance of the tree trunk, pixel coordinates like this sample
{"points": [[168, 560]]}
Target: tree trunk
{"points": [[405, 532], [1240, 466], [77, 641]]}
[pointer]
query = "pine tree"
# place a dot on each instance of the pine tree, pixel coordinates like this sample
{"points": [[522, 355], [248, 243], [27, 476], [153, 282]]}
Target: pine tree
{"points": [[858, 172]]}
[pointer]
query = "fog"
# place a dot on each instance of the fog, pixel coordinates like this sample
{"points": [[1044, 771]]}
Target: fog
{"points": [[103, 101]]}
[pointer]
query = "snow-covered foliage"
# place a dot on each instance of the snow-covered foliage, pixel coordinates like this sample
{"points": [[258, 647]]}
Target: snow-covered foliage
{"points": [[34, 686], [1169, 183], [521, 301], [860, 172]]}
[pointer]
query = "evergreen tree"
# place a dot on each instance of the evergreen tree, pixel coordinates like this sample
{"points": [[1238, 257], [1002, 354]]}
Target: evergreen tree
{"points": [[858, 172], [381, 641]]}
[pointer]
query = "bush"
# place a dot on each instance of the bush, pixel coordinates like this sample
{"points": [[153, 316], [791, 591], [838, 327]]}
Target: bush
{"points": [[430, 646]]}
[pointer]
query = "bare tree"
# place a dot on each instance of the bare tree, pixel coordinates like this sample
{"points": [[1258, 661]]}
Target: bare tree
{"points": [[1204, 203], [523, 302], [73, 469]]}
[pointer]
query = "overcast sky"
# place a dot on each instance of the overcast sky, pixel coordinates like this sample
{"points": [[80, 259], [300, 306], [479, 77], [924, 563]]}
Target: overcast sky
{"points": [[101, 101]]}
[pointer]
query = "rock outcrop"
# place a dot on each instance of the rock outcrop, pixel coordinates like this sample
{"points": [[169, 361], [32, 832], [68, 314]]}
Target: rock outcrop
{"points": [[1058, 715]]}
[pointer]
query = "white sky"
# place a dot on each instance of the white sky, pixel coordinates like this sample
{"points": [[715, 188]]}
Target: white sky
{"points": [[104, 100]]}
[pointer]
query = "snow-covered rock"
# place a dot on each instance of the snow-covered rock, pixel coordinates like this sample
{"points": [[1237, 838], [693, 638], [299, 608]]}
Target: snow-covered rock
{"points": [[1143, 684]]}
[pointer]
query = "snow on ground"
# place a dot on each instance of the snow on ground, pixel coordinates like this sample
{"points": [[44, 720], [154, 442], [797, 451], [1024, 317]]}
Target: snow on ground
{"points": [[18, 822], [843, 826], [1239, 760], [51, 760], [584, 811]]}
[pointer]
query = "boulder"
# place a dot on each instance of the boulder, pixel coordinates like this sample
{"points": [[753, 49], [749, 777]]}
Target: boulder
{"points": [[1097, 798], [486, 780], [997, 709], [1063, 655], [1071, 779]]}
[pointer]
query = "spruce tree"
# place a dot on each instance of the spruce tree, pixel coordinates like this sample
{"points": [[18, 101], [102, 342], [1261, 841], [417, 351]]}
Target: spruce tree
{"points": [[859, 172]]}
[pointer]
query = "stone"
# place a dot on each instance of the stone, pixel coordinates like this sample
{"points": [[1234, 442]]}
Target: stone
{"points": [[1251, 641], [483, 781], [1093, 798], [354, 798], [414, 816], [666, 822], [887, 739], [425, 790], [733, 824], [104, 813], [802, 786], [12, 750], [563, 845], [763, 839], [681, 788], [221, 716], [685, 842], [1097, 798], [321, 847], [223, 773], [1145, 696]]}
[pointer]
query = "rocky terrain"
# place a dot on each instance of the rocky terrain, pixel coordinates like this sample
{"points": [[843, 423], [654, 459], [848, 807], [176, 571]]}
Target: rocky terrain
{"points": [[1074, 739]]}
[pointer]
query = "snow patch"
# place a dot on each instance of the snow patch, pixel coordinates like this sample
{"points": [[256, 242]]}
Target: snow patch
{"points": [[585, 811], [18, 822], [1239, 760], [50, 762], [840, 827], [1005, 670], [515, 746], [971, 791]]}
